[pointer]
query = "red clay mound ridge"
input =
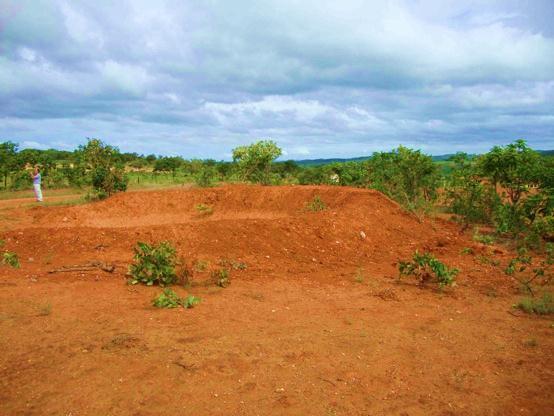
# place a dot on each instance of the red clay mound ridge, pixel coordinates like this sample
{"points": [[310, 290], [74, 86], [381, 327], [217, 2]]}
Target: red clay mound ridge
{"points": [[268, 228]]}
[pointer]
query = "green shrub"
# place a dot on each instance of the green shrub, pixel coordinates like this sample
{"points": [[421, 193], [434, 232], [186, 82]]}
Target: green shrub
{"points": [[204, 209], [518, 265], [154, 264], [207, 177], [541, 306], [425, 267], [10, 259], [467, 250], [169, 299], [483, 238], [316, 204], [221, 277], [407, 176]]}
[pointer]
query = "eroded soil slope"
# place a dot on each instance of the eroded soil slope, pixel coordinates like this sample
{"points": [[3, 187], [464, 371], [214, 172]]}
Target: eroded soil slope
{"points": [[317, 323]]}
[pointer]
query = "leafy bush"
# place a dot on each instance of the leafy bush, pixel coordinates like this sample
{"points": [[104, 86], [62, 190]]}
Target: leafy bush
{"points": [[540, 306], [207, 177], [10, 259], [408, 176], [316, 204], [483, 238], [466, 194], [204, 209], [540, 274], [425, 267], [154, 264], [221, 277], [169, 299]]}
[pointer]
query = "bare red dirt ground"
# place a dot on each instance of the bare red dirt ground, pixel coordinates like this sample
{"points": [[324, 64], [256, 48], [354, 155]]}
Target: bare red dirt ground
{"points": [[317, 324]]}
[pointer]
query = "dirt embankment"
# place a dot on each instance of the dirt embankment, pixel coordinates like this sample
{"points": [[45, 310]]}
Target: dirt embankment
{"points": [[317, 323]]}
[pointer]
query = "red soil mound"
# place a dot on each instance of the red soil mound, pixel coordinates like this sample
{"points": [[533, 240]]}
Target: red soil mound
{"points": [[269, 227]]}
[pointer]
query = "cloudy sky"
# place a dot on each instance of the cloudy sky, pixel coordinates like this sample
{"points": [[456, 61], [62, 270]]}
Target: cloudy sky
{"points": [[322, 78]]}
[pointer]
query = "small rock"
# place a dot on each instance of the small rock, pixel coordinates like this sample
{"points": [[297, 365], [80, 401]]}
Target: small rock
{"points": [[64, 219], [362, 235]]}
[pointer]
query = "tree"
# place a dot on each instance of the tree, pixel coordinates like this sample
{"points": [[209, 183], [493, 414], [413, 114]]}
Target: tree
{"points": [[406, 175], [168, 164], [9, 160], [254, 161], [100, 162], [516, 167], [466, 194]]}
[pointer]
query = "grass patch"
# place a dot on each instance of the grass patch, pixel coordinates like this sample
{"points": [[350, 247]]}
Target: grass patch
{"points": [[316, 204], [483, 238], [467, 251], [204, 209], [9, 258], [201, 266], [45, 309], [539, 306], [359, 276]]}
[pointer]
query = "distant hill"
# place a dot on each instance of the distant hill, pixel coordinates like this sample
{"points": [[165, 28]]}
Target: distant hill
{"points": [[437, 158]]}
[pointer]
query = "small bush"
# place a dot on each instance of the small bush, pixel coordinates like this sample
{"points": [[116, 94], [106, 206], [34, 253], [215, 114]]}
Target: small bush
{"points": [[154, 264], [467, 250], [540, 306], [483, 238], [221, 277], [10, 259], [316, 204], [359, 277], [207, 177], [488, 260], [201, 266], [425, 267], [234, 264], [204, 209], [168, 299]]}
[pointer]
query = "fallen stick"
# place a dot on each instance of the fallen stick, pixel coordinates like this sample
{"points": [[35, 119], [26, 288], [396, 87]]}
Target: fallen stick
{"points": [[109, 268]]}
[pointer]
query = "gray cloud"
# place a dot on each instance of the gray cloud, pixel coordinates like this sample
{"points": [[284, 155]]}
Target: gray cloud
{"points": [[322, 78]]}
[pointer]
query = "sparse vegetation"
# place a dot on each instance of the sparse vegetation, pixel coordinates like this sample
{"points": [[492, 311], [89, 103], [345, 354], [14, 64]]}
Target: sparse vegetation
{"points": [[206, 177], [201, 265], [154, 264], [543, 305], [487, 260], [316, 204], [45, 309], [359, 277], [11, 259], [467, 251], [204, 209], [168, 299], [483, 238], [540, 274], [426, 267], [221, 277]]}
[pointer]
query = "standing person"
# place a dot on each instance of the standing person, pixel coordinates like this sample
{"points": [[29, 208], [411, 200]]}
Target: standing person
{"points": [[36, 183]]}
